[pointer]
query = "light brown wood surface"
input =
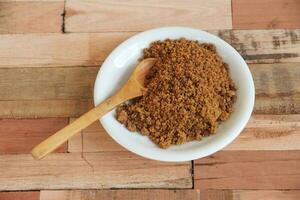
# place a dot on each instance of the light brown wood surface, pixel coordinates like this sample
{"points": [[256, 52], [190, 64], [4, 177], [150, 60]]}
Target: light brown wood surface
{"points": [[276, 88], [121, 194], [170, 194], [263, 132], [50, 53], [31, 16], [90, 49], [52, 49], [269, 132], [267, 14], [264, 46], [133, 88], [266, 195], [68, 91], [21, 135], [248, 170], [91, 171], [113, 15], [31, 195]]}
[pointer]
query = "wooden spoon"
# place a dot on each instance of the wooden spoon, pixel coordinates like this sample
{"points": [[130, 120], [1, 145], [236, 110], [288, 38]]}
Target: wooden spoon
{"points": [[133, 88]]}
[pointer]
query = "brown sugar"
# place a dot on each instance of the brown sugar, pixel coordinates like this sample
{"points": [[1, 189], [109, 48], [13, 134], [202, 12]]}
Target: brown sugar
{"points": [[189, 91]]}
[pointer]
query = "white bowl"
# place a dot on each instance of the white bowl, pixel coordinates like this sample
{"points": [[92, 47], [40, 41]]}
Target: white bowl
{"points": [[121, 62]]}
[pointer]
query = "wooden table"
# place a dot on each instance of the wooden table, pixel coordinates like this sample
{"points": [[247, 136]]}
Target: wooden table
{"points": [[50, 53]]}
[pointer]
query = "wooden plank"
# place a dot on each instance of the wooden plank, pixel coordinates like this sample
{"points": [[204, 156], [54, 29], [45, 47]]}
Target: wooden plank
{"points": [[46, 92], [31, 16], [248, 170], [21, 135], [263, 132], [47, 83], [90, 49], [266, 195], [48, 50], [258, 14], [269, 132], [120, 194], [44, 108], [264, 46], [67, 92], [249, 194], [113, 15], [276, 88], [170, 194], [91, 171], [30, 195], [216, 195]]}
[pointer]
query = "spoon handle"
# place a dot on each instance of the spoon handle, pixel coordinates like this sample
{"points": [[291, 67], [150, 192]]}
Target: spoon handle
{"points": [[54, 141]]}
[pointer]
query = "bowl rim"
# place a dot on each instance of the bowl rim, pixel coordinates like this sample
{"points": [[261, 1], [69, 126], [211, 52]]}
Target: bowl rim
{"points": [[195, 155]]}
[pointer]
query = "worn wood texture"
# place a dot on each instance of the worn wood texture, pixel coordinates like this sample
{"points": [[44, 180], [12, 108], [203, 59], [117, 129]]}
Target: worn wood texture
{"points": [[121, 194], [31, 16], [90, 49], [263, 132], [113, 15], [269, 132], [248, 170], [91, 171], [264, 46], [46, 92], [30, 195], [67, 91], [267, 14], [21, 135], [277, 89]]}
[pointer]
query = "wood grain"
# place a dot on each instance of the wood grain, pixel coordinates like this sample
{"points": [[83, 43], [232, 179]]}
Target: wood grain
{"points": [[30, 195], [113, 15], [93, 139], [67, 91], [91, 171], [266, 195], [46, 92], [269, 132], [120, 194], [90, 49], [216, 195], [31, 16], [264, 46], [276, 88], [48, 50], [248, 170], [21, 135], [170, 194], [263, 132], [266, 14]]}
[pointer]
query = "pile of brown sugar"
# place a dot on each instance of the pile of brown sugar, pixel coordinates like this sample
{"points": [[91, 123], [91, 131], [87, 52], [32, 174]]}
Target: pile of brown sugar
{"points": [[189, 91]]}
